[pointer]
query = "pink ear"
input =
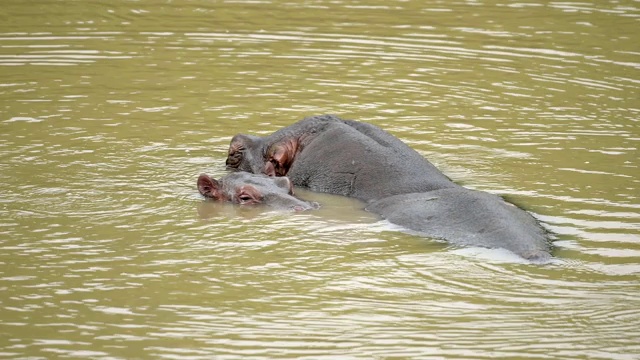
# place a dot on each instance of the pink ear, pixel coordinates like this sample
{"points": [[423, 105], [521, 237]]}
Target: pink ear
{"points": [[209, 187], [281, 155]]}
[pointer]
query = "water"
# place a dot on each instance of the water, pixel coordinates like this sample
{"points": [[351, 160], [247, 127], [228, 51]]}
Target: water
{"points": [[109, 111]]}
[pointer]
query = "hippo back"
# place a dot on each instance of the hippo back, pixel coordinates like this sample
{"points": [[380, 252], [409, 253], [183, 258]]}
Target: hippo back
{"points": [[363, 161], [467, 217]]}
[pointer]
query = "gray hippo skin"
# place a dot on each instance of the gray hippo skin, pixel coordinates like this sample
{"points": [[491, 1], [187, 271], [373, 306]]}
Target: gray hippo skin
{"points": [[344, 157], [467, 217], [328, 154], [252, 189]]}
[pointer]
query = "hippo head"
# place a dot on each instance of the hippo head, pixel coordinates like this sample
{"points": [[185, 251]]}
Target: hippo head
{"points": [[245, 154], [255, 155], [251, 189]]}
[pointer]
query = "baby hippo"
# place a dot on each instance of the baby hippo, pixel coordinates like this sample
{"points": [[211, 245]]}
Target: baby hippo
{"points": [[251, 189]]}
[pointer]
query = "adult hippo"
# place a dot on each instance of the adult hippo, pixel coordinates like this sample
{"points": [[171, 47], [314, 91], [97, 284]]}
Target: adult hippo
{"points": [[328, 154], [252, 189], [344, 157]]}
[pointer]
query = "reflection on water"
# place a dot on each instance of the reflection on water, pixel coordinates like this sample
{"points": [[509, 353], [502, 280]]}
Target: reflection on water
{"points": [[111, 110]]}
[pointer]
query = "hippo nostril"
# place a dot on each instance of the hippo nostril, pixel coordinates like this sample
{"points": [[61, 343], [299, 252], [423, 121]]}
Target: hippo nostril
{"points": [[310, 206]]}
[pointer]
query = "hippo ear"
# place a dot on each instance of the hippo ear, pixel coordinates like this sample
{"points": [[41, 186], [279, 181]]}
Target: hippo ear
{"points": [[279, 154], [282, 155], [285, 183], [209, 187]]}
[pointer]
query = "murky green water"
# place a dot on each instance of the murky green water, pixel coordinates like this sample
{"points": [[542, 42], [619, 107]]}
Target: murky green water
{"points": [[110, 110]]}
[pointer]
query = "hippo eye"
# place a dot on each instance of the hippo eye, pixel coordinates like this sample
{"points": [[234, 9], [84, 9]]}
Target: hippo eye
{"points": [[247, 199], [247, 194]]}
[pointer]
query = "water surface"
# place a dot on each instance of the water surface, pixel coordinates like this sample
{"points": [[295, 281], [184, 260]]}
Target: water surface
{"points": [[109, 111]]}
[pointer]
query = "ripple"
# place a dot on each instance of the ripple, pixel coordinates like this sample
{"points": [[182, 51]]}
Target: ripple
{"points": [[35, 54], [108, 250]]}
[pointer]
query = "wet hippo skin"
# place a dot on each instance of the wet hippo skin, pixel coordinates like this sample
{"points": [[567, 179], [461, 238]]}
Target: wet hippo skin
{"points": [[253, 189], [467, 217], [327, 154]]}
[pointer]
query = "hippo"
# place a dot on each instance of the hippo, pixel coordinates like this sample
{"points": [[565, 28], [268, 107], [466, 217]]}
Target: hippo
{"points": [[252, 189], [467, 217], [328, 154]]}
